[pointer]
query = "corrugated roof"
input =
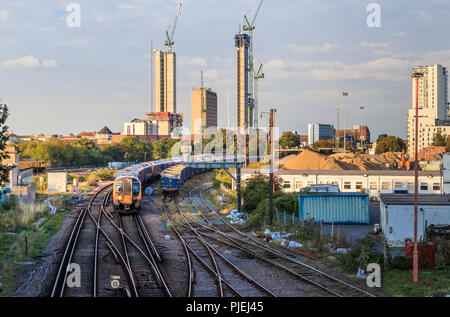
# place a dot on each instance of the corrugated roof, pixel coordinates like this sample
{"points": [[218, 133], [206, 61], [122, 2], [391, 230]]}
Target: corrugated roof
{"points": [[408, 199]]}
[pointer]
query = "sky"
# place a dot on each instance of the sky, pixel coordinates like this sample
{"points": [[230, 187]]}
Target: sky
{"points": [[58, 79]]}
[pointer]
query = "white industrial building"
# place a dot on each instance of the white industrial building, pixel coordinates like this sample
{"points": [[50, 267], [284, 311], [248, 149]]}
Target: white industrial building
{"points": [[397, 216], [373, 182]]}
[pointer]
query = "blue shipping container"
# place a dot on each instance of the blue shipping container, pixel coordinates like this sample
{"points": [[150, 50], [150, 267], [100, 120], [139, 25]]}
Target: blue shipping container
{"points": [[334, 207]]}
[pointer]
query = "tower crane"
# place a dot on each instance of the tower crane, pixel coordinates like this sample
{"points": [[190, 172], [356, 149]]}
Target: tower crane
{"points": [[257, 76], [169, 38], [250, 27]]}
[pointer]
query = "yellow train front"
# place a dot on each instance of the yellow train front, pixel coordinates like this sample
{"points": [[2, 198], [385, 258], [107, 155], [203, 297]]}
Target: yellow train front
{"points": [[127, 194]]}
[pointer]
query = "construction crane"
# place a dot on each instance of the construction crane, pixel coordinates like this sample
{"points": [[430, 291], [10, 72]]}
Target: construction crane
{"points": [[257, 76], [250, 27], [169, 41]]}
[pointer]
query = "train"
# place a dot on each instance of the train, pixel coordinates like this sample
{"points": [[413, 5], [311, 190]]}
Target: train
{"points": [[174, 177], [129, 183], [38, 165]]}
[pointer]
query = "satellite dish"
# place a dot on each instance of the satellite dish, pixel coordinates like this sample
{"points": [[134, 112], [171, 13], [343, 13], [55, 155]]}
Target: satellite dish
{"points": [[148, 190]]}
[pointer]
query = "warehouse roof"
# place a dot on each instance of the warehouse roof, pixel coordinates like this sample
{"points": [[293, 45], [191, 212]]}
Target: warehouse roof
{"points": [[424, 199]]}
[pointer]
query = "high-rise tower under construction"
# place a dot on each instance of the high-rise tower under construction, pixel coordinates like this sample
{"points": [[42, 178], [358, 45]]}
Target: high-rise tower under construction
{"points": [[242, 42], [165, 81]]}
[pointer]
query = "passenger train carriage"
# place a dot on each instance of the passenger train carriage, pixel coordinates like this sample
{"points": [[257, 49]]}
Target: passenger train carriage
{"points": [[173, 178], [128, 184]]}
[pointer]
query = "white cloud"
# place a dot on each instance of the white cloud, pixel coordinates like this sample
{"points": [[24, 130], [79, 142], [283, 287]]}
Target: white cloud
{"points": [[326, 47], [50, 63], [30, 62], [23, 62], [376, 44], [388, 69], [403, 34], [198, 62], [211, 73], [121, 95], [3, 15], [275, 64]]}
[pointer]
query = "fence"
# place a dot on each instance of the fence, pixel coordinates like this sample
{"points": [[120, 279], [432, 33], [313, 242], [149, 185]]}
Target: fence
{"points": [[286, 218]]}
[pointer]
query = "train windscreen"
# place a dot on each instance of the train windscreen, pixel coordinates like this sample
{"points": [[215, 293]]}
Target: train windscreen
{"points": [[118, 188], [127, 188], [135, 187]]}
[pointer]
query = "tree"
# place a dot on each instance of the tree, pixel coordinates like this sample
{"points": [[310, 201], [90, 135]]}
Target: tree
{"points": [[84, 143], [257, 189], [136, 150], [390, 144], [381, 136], [162, 149], [289, 140], [327, 144], [439, 139], [4, 170]]}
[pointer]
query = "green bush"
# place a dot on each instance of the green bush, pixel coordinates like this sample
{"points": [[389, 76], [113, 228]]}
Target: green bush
{"points": [[400, 263], [105, 174]]}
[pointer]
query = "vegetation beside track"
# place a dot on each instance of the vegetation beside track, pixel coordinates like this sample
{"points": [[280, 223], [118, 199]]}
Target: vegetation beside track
{"points": [[396, 272], [38, 227]]}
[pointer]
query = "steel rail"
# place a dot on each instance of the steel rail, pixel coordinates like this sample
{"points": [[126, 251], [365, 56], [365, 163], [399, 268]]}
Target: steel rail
{"points": [[152, 246], [202, 262], [61, 276], [275, 252], [234, 267], [207, 247], [112, 245], [127, 258], [186, 252], [97, 236], [254, 254], [148, 244]]}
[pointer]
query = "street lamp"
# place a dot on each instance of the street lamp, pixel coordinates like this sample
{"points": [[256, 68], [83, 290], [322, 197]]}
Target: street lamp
{"points": [[360, 127], [417, 76], [345, 94]]}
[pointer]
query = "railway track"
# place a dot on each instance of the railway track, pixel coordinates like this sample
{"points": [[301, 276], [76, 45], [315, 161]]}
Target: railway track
{"points": [[106, 249], [209, 272], [326, 283]]}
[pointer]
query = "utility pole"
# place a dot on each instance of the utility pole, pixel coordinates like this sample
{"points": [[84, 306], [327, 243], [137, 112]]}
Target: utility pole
{"points": [[417, 76], [203, 111], [337, 129], [345, 94], [228, 110], [272, 158]]}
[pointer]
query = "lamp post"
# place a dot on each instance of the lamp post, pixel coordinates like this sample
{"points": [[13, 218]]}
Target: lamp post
{"points": [[360, 127], [345, 94], [417, 76]]}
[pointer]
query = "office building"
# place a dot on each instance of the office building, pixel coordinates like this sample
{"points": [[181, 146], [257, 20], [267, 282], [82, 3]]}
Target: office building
{"points": [[204, 109], [319, 131]]}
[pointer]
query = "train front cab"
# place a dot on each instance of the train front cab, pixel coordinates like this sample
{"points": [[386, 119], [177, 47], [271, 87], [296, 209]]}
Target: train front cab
{"points": [[127, 195]]}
